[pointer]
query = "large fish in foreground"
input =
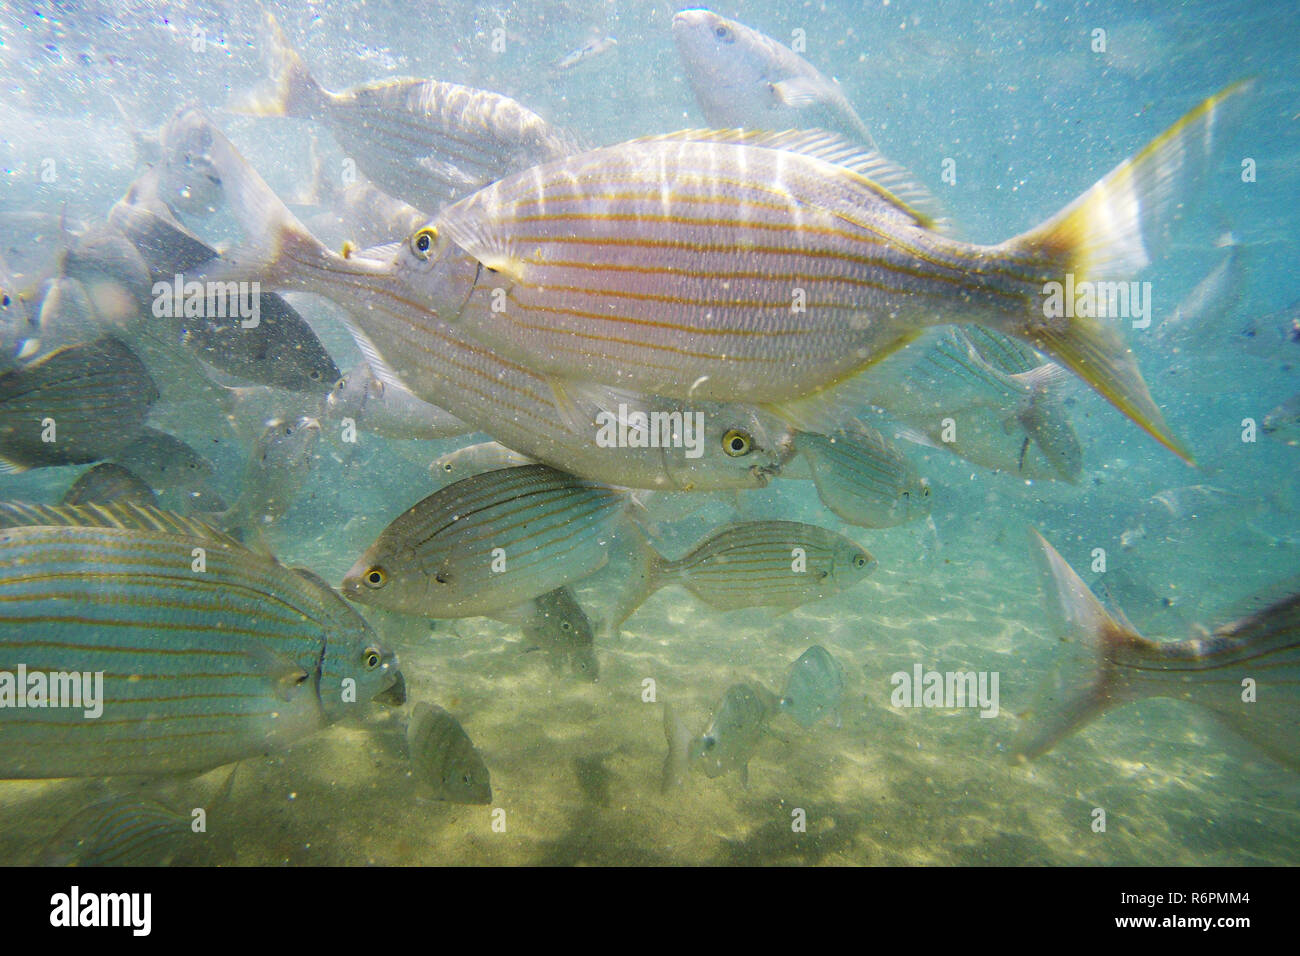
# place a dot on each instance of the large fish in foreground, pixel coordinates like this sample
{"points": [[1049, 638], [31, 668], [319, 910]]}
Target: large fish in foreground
{"points": [[424, 141], [744, 79], [209, 653], [1110, 664], [745, 267]]}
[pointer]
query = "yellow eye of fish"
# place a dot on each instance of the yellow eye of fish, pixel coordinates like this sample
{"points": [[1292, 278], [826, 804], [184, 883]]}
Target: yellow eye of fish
{"points": [[372, 658], [422, 242], [375, 578], [737, 443], [859, 560]]}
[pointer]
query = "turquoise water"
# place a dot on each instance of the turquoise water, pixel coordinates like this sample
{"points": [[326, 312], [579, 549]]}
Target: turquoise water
{"points": [[1030, 115]]}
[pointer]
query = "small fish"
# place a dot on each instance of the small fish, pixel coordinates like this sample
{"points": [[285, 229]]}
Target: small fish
{"points": [[489, 542], [476, 459], [1274, 337], [238, 658], [163, 461], [91, 400], [744, 79], [588, 51], [781, 564], [863, 478], [282, 458], [1283, 422], [178, 172], [556, 624], [422, 141], [120, 831], [444, 758], [734, 733], [388, 409], [944, 388], [814, 688], [1109, 664], [1212, 301], [107, 483]]}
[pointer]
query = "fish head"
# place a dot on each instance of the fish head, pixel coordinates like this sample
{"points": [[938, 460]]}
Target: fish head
{"points": [[442, 276], [16, 325], [361, 658], [348, 395], [725, 446], [914, 500], [466, 780], [727, 65], [188, 180], [851, 562], [388, 575], [709, 753], [289, 444]]}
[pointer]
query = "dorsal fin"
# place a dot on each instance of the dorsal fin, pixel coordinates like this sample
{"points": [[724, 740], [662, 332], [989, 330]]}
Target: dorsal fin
{"points": [[128, 515], [894, 184]]}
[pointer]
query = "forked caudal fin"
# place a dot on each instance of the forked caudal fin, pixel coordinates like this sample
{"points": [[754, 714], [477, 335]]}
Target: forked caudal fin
{"points": [[1072, 698], [1107, 235], [292, 90]]}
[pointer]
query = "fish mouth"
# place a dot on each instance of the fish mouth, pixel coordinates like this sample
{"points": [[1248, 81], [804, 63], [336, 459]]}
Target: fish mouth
{"points": [[395, 694]]}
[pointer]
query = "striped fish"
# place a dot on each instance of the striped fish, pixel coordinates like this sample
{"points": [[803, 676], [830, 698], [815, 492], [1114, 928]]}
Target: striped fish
{"points": [[423, 141], [863, 478], [441, 364], [95, 395], [734, 733], [445, 759], [751, 564], [1119, 666], [556, 624], [489, 542], [762, 267], [202, 664], [119, 831]]}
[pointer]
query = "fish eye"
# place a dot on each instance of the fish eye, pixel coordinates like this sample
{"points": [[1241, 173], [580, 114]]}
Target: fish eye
{"points": [[423, 241], [5, 300], [372, 657], [710, 743], [737, 444], [925, 491], [721, 32], [375, 578], [447, 467], [442, 577], [566, 626], [314, 375], [859, 560]]}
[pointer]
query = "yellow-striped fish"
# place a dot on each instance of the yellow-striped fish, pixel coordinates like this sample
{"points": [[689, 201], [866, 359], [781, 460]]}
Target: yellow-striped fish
{"points": [[166, 646], [863, 478], [489, 542]]}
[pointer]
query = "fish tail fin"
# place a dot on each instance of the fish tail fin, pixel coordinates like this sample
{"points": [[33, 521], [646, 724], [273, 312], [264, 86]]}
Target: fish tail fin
{"points": [[1073, 698], [292, 90], [278, 250], [644, 578], [1107, 235], [677, 763]]}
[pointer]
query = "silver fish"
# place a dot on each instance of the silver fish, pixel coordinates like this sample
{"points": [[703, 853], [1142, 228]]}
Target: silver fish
{"points": [[556, 624], [734, 733], [164, 461], [388, 409], [476, 459], [863, 478], [107, 483], [282, 457], [445, 759], [1109, 664], [744, 79], [588, 51], [813, 688], [423, 141]]}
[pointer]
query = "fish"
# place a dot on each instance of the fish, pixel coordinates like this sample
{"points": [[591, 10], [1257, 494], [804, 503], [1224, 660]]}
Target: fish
{"points": [[556, 624], [737, 727], [202, 665], [388, 409], [121, 831], [16, 321], [1107, 664], [423, 141], [943, 388], [1212, 301], [90, 399], [280, 350], [178, 172], [282, 457], [863, 478], [813, 688], [1274, 337], [744, 79], [164, 461], [107, 483], [65, 314], [588, 51], [1283, 422], [489, 542], [606, 267], [729, 445], [445, 759], [475, 459], [781, 564]]}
